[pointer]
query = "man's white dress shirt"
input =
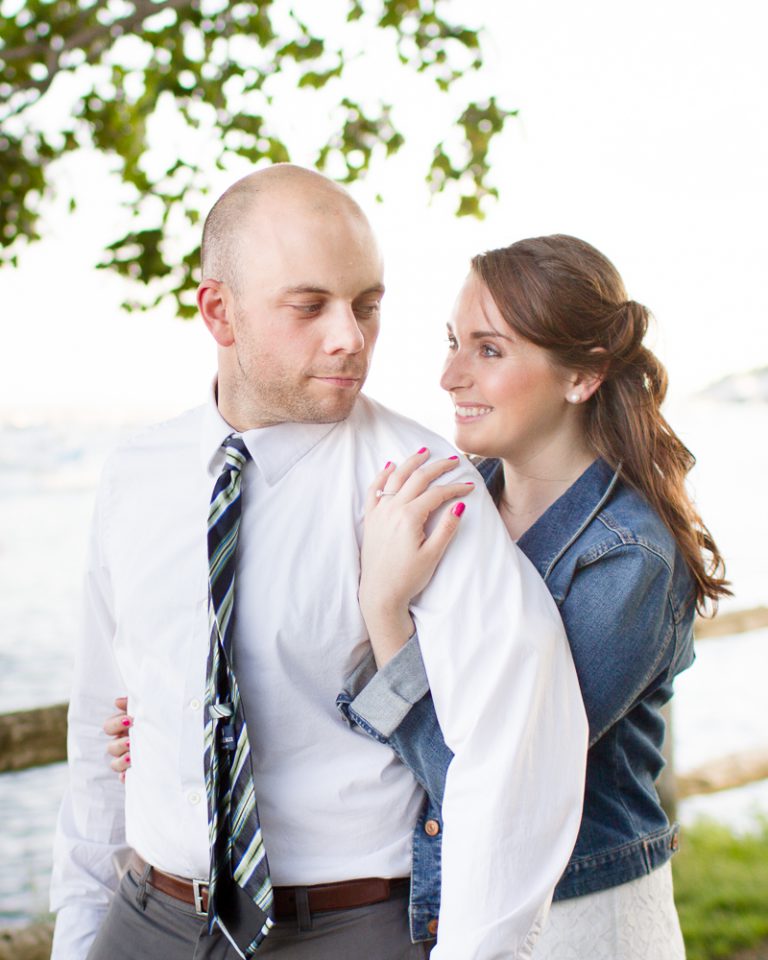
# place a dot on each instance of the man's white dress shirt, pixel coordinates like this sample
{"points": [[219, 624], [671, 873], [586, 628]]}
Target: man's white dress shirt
{"points": [[333, 804]]}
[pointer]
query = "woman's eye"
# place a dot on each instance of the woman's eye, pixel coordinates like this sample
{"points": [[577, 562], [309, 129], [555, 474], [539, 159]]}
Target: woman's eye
{"points": [[452, 344], [488, 350]]}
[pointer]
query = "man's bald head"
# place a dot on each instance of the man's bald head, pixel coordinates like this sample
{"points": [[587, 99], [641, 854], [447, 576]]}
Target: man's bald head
{"points": [[265, 190]]}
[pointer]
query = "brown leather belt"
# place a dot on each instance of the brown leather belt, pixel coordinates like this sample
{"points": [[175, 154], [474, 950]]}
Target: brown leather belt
{"points": [[320, 898]]}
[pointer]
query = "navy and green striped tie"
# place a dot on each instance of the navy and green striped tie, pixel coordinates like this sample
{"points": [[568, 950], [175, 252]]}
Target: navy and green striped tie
{"points": [[240, 891]]}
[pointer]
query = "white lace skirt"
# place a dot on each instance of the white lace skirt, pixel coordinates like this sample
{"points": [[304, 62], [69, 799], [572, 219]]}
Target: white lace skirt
{"points": [[634, 921]]}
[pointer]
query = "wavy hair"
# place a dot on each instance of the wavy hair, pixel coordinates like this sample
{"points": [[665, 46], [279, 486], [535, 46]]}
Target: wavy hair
{"points": [[562, 294]]}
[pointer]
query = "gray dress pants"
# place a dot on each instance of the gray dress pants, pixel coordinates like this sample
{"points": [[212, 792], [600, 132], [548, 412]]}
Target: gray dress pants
{"points": [[145, 924]]}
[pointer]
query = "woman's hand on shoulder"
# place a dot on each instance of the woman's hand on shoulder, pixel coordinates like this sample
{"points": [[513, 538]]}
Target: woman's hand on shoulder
{"points": [[398, 559]]}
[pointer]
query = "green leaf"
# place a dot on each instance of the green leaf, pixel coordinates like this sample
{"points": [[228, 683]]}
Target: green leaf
{"points": [[355, 11], [134, 75], [469, 206]]}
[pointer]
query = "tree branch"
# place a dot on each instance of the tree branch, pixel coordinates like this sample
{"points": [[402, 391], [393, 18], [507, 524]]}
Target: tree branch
{"points": [[143, 9], [91, 40]]}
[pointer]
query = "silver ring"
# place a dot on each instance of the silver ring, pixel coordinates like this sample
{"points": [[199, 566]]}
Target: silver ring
{"points": [[383, 493]]}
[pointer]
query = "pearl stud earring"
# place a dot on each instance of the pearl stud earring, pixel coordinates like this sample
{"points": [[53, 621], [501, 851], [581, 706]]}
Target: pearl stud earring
{"points": [[574, 397]]}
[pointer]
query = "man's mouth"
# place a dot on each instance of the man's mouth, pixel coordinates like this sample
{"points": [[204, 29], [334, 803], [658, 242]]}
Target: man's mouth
{"points": [[338, 380]]}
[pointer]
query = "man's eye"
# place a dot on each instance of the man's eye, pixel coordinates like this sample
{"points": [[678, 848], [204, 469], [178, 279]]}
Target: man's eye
{"points": [[308, 308], [452, 344], [367, 310]]}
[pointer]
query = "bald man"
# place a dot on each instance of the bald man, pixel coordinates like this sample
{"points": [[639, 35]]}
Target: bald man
{"points": [[291, 295]]}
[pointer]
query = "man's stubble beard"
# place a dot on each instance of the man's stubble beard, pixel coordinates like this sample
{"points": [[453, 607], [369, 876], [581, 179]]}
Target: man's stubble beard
{"points": [[283, 401]]}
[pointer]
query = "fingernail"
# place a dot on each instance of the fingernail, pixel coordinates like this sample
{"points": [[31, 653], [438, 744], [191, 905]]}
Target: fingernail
{"points": [[458, 509], [126, 722], [423, 450], [127, 758], [122, 777], [127, 743], [388, 464], [469, 483], [453, 458]]}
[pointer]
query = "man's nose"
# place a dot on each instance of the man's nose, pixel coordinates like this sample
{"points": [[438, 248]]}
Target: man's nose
{"points": [[343, 333]]}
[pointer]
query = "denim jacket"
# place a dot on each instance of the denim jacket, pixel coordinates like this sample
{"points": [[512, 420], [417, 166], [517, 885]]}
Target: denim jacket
{"points": [[627, 602]]}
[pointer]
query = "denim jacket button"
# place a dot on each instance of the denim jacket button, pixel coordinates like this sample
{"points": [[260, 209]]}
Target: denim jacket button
{"points": [[432, 927], [431, 828], [674, 843]]}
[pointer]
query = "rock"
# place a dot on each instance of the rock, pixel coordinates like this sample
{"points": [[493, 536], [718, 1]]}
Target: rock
{"points": [[27, 943]]}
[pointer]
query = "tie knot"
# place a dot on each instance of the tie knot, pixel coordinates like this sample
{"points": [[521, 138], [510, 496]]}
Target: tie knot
{"points": [[236, 452]]}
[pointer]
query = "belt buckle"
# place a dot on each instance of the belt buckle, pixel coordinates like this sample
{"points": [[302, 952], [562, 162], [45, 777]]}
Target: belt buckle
{"points": [[198, 887]]}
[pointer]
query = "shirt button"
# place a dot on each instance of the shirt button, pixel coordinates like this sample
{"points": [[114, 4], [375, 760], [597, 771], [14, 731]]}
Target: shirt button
{"points": [[193, 797], [432, 928], [431, 828], [194, 704]]}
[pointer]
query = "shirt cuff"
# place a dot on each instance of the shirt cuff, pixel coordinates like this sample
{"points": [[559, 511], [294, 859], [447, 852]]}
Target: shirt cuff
{"points": [[383, 699]]}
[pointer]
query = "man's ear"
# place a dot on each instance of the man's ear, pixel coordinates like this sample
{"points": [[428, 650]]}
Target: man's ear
{"points": [[215, 306]]}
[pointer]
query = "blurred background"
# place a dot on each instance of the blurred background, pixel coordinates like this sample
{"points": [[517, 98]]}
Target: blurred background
{"points": [[640, 128]]}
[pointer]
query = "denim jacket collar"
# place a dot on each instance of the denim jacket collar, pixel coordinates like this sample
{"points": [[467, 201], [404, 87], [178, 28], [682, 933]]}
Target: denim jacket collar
{"points": [[551, 535]]}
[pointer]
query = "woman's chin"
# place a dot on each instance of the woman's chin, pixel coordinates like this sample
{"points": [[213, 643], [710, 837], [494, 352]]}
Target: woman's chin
{"points": [[473, 444]]}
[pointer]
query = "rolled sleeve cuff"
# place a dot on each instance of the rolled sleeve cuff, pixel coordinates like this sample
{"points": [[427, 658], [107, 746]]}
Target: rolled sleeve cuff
{"points": [[382, 700]]}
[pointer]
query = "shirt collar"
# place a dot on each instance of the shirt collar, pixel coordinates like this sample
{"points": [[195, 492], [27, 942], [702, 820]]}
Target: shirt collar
{"points": [[562, 523], [274, 449]]}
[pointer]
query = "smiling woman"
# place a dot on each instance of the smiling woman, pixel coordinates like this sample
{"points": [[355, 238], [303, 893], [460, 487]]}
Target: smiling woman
{"points": [[553, 386], [567, 303], [510, 399]]}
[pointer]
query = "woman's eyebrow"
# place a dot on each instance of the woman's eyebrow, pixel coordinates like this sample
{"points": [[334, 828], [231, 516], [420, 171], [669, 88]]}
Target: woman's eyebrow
{"points": [[482, 334]]}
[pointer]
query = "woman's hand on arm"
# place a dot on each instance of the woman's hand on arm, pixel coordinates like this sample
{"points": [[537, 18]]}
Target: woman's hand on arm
{"points": [[398, 558], [117, 727]]}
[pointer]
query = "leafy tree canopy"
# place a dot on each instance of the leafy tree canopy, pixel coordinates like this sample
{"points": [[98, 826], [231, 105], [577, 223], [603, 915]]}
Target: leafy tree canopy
{"points": [[120, 68]]}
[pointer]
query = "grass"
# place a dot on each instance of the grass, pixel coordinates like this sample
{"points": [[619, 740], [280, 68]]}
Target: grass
{"points": [[721, 889]]}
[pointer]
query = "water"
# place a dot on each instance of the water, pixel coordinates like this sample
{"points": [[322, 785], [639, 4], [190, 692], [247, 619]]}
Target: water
{"points": [[48, 473]]}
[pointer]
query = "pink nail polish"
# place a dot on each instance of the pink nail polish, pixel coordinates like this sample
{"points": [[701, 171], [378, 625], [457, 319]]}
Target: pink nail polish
{"points": [[423, 450], [469, 483], [126, 722], [453, 458], [388, 464], [458, 509], [127, 758]]}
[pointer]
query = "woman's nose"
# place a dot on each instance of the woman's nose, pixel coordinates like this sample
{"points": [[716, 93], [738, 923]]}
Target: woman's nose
{"points": [[455, 374]]}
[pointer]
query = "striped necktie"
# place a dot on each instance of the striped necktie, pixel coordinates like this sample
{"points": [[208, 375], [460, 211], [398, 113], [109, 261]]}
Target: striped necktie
{"points": [[240, 891]]}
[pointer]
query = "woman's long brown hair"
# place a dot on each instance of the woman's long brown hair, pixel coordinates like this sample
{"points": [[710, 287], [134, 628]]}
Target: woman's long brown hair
{"points": [[563, 295]]}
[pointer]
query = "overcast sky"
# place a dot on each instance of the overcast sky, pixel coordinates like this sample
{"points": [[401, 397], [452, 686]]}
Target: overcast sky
{"points": [[642, 129]]}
